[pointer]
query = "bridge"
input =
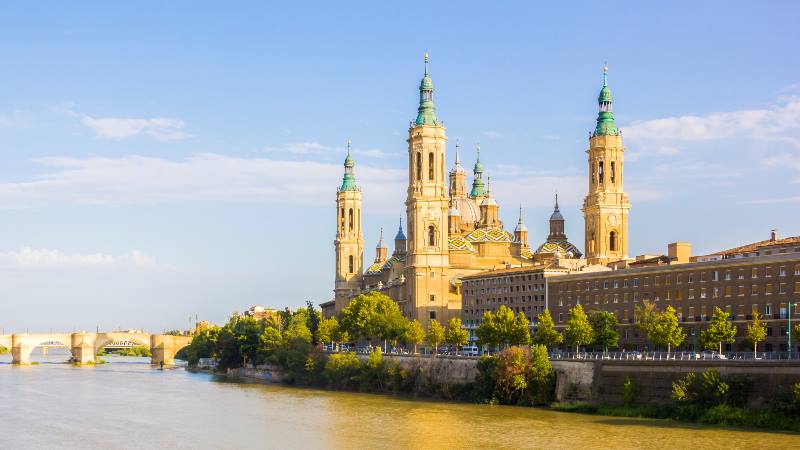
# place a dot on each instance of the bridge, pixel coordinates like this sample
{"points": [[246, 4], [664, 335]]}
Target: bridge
{"points": [[85, 346]]}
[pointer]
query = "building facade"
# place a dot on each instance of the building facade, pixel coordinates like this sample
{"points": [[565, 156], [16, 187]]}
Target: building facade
{"points": [[740, 285]]}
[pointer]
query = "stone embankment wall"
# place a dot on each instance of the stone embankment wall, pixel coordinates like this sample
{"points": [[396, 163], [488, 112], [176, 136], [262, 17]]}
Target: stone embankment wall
{"points": [[438, 369], [267, 373], [653, 379]]}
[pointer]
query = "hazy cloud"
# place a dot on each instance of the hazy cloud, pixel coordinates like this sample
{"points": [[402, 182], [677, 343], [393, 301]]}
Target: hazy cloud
{"points": [[30, 258], [116, 128], [203, 177], [778, 123]]}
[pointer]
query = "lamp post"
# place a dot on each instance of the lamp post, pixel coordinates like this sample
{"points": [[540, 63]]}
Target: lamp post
{"points": [[790, 304]]}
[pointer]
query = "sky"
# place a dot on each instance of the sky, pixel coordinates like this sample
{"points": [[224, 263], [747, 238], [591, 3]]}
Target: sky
{"points": [[161, 161]]}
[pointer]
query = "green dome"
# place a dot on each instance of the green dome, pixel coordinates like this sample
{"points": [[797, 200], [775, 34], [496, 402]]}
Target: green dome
{"points": [[426, 113], [605, 95], [349, 178], [426, 84], [348, 162]]}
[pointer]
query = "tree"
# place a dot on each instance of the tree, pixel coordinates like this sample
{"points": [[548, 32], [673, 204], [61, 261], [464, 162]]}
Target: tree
{"points": [[718, 331], [520, 331], [503, 328], [545, 332], [522, 373], [414, 334], [756, 331], [297, 328], [372, 315], [314, 318], [579, 330], [665, 330], [604, 327], [456, 336], [327, 329], [435, 335], [645, 318]]}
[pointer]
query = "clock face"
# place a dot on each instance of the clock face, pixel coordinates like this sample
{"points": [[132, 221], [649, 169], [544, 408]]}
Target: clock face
{"points": [[612, 219]]}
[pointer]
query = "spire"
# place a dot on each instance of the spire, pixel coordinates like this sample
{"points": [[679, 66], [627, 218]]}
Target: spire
{"points": [[605, 117], [478, 189], [349, 179], [521, 222], [400, 235], [380, 241], [426, 113]]}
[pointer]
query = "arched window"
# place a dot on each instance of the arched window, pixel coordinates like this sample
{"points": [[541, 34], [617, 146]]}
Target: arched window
{"points": [[612, 241], [430, 166], [350, 219], [419, 166], [431, 236], [613, 173], [600, 171], [351, 265], [341, 222]]}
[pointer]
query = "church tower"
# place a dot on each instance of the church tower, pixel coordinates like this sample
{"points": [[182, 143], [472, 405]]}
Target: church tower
{"points": [[427, 212], [349, 243], [605, 208]]}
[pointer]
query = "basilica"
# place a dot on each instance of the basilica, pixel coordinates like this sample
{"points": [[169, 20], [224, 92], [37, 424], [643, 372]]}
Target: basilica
{"points": [[453, 227]]}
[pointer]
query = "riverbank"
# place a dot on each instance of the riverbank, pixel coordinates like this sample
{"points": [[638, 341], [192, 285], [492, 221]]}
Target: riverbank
{"points": [[711, 398]]}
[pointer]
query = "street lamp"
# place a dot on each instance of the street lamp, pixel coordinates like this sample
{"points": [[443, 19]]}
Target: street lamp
{"points": [[790, 327]]}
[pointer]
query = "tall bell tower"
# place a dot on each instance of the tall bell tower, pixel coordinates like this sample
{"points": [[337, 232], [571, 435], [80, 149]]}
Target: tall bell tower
{"points": [[428, 262], [606, 207], [349, 243]]}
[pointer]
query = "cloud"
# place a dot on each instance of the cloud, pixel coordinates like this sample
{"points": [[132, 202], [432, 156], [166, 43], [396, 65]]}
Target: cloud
{"points": [[202, 177], [778, 123], [29, 258], [115, 128]]}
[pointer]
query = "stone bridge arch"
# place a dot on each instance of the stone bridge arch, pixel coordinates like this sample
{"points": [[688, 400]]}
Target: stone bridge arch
{"points": [[104, 339], [23, 344]]}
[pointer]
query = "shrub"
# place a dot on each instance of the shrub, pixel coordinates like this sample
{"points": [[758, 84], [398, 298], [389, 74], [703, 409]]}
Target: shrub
{"points": [[630, 392], [706, 390], [341, 370]]}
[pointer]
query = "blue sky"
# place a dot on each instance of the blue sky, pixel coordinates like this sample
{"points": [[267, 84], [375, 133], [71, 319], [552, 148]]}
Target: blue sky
{"points": [[159, 161]]}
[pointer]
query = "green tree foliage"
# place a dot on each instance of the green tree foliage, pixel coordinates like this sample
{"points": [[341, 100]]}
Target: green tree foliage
{"points": [[435, 335], [545, 332], [297, 327], [372, 316], [708, 389], [665, 330], [645, 318], [605, 329], [314, 318], [414, 334], [327, 330], [718, 331], [342, 370], [203, 345], [630, 392], [578, 331], [756, 331], [522, 375], [174, 333], [455, 335], [503, 328]]}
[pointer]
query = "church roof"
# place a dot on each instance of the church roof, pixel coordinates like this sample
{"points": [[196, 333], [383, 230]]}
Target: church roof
{"points": [[468, 209], [379, 267], [458, 243], [560, 245], [492, 234]]}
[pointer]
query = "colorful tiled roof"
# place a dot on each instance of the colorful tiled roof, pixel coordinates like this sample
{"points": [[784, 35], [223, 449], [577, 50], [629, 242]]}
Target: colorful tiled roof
{"points": [[377, 268], [490, 235], [458, 243], [553, 246]]}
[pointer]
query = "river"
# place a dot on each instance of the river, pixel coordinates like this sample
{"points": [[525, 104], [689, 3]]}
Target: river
{"points": [[127, 404]]}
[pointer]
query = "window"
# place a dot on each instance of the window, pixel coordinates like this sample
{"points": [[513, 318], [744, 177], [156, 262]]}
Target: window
{"points": [[703, 293], [715, 275], [716, 293], [419, 166], [432, 315], [691, 293], [616, 284], [768, 309], [727, 291], [727, 274], [431, 236], [350, 219], [430, 165], [605, 284], [612, 240], [782, 271], [432, 297], [754, 272], [613, 173], [351, 265], [342, 220], [600, 171]]}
